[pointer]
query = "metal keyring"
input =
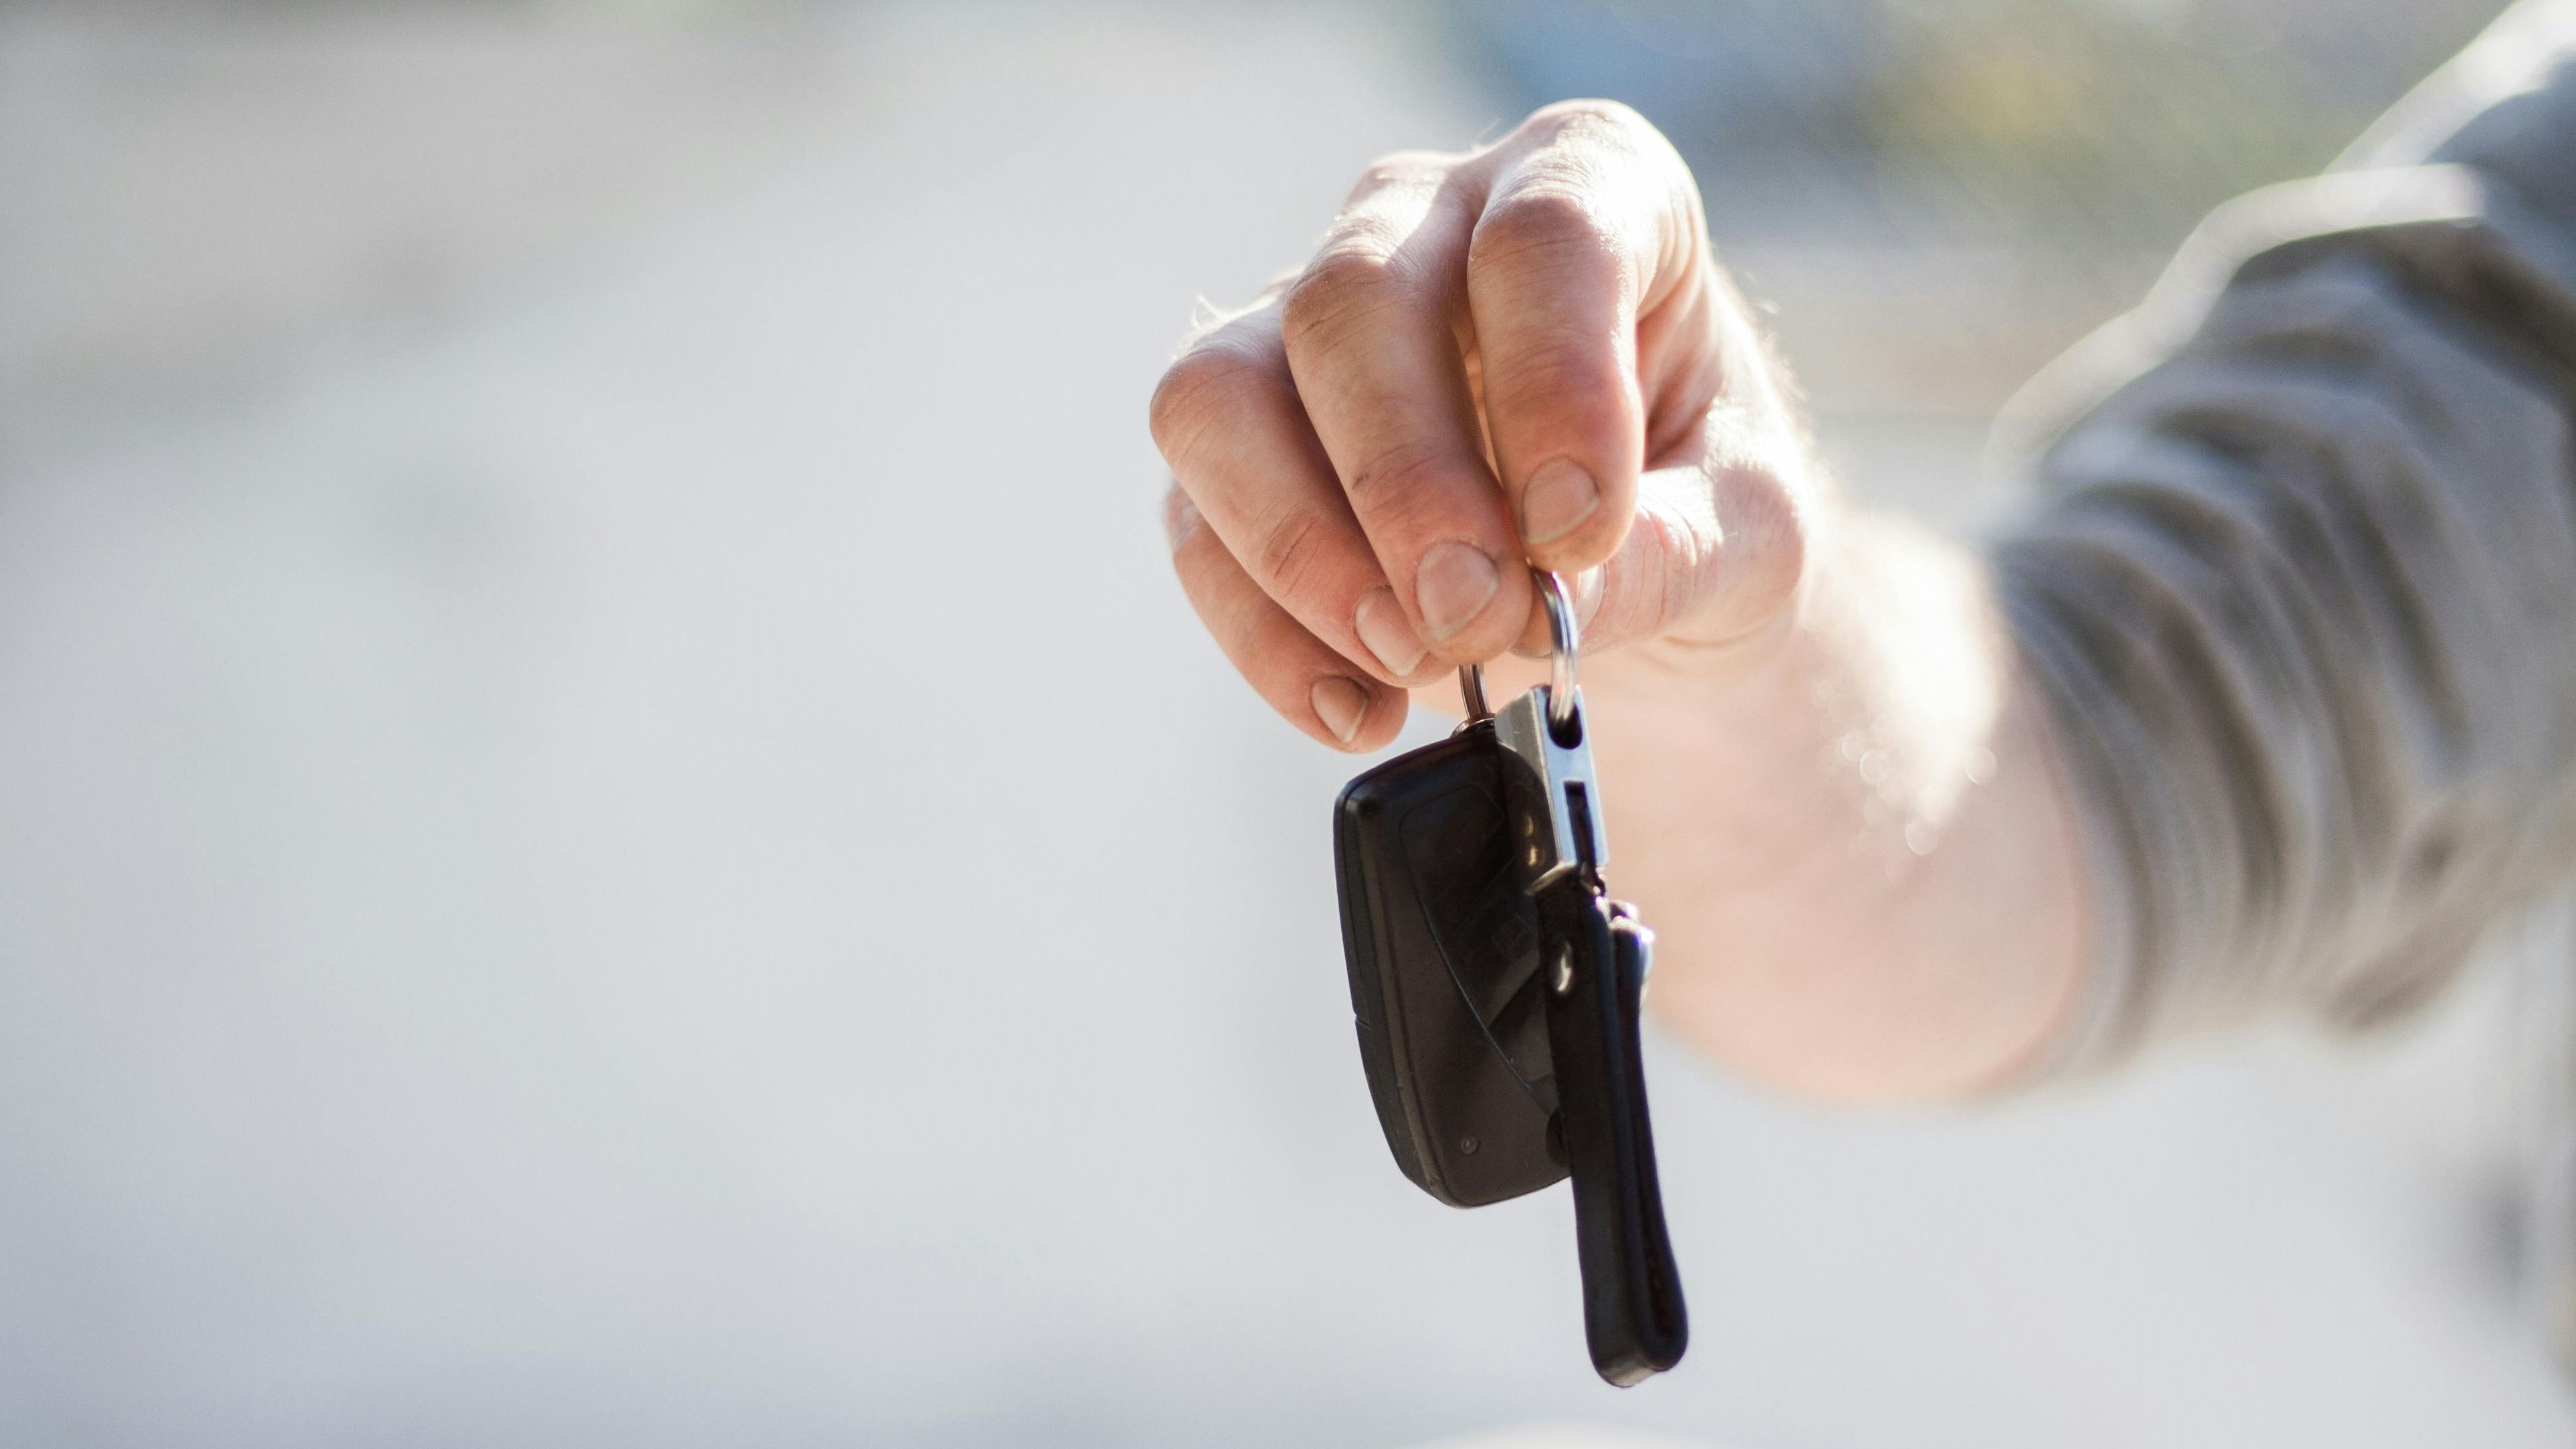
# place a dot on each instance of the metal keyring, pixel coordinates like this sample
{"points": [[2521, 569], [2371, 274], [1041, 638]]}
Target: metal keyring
{"points": [[1564, 641], [1471, 692]]}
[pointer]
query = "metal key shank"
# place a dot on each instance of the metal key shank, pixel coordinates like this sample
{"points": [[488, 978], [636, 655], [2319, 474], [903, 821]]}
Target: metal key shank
{"points": [[1556, 806]]}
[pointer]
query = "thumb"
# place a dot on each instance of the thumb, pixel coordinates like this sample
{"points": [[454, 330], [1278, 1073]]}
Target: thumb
{"points": [[1717, 551]]}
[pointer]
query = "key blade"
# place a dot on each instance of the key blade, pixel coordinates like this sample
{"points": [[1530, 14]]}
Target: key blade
{"points": [[1556, 801]]}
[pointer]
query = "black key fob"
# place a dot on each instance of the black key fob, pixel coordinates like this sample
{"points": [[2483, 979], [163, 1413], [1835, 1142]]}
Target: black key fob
{"points": [[1497, 990], [1443, 949]]}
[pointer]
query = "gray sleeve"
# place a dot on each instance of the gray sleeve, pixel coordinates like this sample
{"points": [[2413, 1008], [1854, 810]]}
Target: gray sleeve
{"points": [[2303, 586]]}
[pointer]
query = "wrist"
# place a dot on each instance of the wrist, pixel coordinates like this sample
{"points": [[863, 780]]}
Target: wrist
{"points": [[1849, 828]]}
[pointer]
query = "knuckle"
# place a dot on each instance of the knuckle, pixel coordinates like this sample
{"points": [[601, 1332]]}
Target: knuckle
{"points": [[1402, 169], [1575, 381], [1771, 527], [1682, 562], [1206, 383], [1292, 549], [1414, 491], [1351, 279], [1400, 481], [1749, 569], [1550, 223], [1590, 117]]}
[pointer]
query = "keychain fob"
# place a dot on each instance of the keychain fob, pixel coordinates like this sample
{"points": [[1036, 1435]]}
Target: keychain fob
{"points": [[1497, 991]]}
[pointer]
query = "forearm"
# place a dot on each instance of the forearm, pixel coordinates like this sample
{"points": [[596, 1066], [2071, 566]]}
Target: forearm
{"points": [[2291, 643]]}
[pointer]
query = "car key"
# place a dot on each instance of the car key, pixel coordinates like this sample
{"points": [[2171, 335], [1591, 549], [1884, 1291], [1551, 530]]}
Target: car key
{"points": [[1496, 991]]}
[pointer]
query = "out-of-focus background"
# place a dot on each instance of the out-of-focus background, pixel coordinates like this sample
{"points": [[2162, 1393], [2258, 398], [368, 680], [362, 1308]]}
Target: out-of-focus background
{"points": [[612, 833]]}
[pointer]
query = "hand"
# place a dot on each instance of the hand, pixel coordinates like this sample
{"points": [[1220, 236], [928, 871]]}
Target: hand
{"points": [[1338, 517], [1823, 772]]}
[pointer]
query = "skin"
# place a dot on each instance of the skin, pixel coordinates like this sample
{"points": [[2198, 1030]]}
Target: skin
{"points": [[1829, 783]]}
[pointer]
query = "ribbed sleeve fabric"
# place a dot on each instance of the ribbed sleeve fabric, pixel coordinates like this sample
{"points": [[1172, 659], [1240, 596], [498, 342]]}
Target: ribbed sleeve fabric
{"points": [[2302, 588]]}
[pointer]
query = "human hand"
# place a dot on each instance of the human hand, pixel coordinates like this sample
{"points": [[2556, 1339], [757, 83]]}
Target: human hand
{"points": [[1814, 736], [1526, 351]]}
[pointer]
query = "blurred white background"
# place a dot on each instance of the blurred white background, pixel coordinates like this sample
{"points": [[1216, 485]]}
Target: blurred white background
{"points": [[612, 832]]}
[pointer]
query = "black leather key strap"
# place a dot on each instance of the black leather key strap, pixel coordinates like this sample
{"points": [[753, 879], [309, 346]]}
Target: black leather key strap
{"points": [[1634, 1321]]}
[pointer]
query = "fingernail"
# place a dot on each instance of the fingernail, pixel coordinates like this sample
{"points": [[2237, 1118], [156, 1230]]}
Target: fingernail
{"points": [[1451, 584], [1340, 704], [1559, 497], [1388, 634]]}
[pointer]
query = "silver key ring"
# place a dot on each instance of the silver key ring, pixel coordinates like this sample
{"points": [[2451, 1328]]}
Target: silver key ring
{"points": [[1471, 690], [1564, 641]]}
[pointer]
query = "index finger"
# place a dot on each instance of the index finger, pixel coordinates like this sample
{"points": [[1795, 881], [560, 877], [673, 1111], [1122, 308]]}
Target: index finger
{"points": [[1371, 330]]}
